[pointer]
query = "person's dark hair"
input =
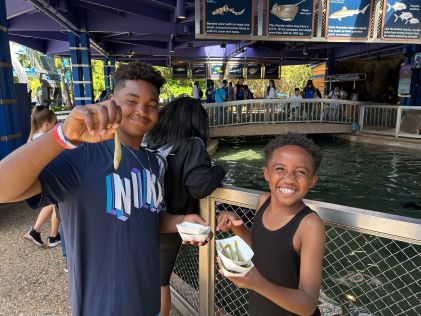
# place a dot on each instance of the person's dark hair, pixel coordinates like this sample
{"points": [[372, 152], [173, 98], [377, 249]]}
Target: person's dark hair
{"points": [[138, 71], [179, 121], [298, 140], [297, 89], [268, 87]]}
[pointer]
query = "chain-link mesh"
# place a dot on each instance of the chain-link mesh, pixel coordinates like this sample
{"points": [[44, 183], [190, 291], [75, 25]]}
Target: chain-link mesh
{"points": [[362, 274], [185, 277]]}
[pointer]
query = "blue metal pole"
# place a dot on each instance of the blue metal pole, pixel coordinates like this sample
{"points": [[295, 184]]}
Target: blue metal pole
{"points": [[112, 70], [87, 67], [106, 74], [9, 118], [79, 96]]}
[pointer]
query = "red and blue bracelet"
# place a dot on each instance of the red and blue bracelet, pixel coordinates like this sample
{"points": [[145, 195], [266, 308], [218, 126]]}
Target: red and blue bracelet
{"points": [[61, 139]]}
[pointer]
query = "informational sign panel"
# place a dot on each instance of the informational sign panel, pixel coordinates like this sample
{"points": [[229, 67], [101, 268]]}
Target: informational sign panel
{"points": [[179, 70], [228, 17], [405, 75], [401, 19], [290, 18], [271, 71], [216, 70], [348, 18], [198, 70], [254, 71], [235, 70]]}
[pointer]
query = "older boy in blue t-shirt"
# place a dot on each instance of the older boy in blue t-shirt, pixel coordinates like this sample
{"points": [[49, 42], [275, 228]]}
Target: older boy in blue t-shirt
{"points": [[111, 218]]}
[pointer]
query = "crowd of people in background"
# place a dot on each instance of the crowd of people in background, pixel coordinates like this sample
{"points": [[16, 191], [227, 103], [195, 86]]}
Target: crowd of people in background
{"points": [[225, 91]]}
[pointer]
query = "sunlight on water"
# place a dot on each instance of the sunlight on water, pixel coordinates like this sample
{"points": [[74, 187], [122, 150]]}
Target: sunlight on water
{"points": [[243, 155]]}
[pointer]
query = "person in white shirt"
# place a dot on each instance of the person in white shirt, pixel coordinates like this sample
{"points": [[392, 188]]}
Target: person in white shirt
{"points": [[196, 91], [295, 102], [335, 93], [271, 90]]}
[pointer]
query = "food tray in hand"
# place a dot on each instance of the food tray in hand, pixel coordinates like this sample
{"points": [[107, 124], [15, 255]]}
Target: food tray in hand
{"points": [[237, 273], [194, 237], [235, 254], [193, 229]]}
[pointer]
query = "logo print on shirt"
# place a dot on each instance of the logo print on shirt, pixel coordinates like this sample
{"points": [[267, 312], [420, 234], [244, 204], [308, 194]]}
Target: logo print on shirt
{"points": [[143, 190]]}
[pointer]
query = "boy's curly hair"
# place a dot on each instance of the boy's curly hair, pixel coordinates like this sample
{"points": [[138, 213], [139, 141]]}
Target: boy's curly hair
{"points": [[138, 71], [298, 140]]}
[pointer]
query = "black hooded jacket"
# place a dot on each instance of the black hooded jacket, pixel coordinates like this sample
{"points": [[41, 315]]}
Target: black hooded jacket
{"points": [[190, 177]]}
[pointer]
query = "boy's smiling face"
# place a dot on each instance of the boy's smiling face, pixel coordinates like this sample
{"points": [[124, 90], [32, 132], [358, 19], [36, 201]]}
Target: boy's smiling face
{"points": [[138, 100], [290, 174]]}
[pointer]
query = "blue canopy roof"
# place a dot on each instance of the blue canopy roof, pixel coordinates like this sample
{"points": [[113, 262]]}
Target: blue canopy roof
{"points": [[146, 29]]}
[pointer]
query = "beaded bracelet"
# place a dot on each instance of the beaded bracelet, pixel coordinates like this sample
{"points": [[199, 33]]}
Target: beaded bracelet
{"points": [[61, 139]]}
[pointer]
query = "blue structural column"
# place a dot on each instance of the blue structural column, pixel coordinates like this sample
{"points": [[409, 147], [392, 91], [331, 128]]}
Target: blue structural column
{"points": [[77, 74], [329, 71], [9, 117], [86, 67], [112, 70], [106, 75]]}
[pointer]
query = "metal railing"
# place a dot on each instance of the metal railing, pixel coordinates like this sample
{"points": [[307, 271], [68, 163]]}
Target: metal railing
{"points": [[274, 111], [371, 264], [390, 120]]}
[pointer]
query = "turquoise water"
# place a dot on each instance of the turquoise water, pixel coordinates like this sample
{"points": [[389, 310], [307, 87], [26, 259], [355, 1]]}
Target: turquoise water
{"points": [[378, 178]]}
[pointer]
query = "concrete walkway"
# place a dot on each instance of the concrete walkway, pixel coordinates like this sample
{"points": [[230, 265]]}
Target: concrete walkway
{"points": [[32, 279]]}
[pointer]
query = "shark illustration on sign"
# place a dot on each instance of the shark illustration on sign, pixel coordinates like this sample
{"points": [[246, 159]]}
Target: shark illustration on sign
{"points": [[345, 12]]}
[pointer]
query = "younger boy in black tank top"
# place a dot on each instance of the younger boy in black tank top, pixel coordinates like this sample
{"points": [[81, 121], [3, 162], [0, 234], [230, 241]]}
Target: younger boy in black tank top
{"points": [[287, 237]]}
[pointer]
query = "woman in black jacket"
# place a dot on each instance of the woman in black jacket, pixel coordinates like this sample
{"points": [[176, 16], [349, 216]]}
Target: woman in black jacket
{"points": [[184, 125]]}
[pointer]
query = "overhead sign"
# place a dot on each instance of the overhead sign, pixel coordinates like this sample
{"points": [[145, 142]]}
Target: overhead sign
{"points": [[235, 70], [348, 19], [228, 17], [179, 70], [216, 71], [198, 70], [290, 18], [271, 71], [401, 19], [254, 71]]}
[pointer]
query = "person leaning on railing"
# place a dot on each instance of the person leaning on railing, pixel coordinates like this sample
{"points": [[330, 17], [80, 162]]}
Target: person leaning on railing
{"points": [[287, 237]]}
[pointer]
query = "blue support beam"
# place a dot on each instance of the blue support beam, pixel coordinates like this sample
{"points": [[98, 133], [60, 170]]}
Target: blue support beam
{"points": [[10, 135], [77, 75], [87, 68]]}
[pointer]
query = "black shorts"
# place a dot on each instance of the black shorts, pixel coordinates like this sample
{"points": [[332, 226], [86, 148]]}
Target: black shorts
{"points": [[168, 251]]}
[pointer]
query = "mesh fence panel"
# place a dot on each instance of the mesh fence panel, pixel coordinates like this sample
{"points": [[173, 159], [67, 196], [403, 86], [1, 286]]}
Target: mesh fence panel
{"points": [[362, 274]]}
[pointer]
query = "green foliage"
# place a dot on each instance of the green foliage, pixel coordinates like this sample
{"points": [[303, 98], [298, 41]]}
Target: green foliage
{"points": [[294, 77], [98, 77], [177, 87]]}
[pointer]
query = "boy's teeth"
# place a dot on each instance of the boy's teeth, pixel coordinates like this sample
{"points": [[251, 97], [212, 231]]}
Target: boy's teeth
{"points": [[286, 190]]}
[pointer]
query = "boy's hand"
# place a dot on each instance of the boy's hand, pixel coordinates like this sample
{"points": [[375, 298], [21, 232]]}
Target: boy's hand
{"points": [[92, 123], [226, 220], [193, 218], [249, 281]]}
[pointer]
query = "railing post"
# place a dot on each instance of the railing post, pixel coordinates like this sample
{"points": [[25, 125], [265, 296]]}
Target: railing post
{"points": [[206, 263], [361, 119], [321, 111], [398, 122]]}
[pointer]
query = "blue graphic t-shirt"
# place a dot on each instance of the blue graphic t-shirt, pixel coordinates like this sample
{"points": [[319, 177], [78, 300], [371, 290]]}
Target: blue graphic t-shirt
{"points": [[111, 227]]}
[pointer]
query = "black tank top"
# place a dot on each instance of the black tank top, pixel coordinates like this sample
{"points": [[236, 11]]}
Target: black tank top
{"points": [[276, 260]]}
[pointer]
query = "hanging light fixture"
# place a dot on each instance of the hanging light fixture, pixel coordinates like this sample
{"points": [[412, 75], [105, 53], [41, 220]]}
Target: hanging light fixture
{"points": [[180, 10]]}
